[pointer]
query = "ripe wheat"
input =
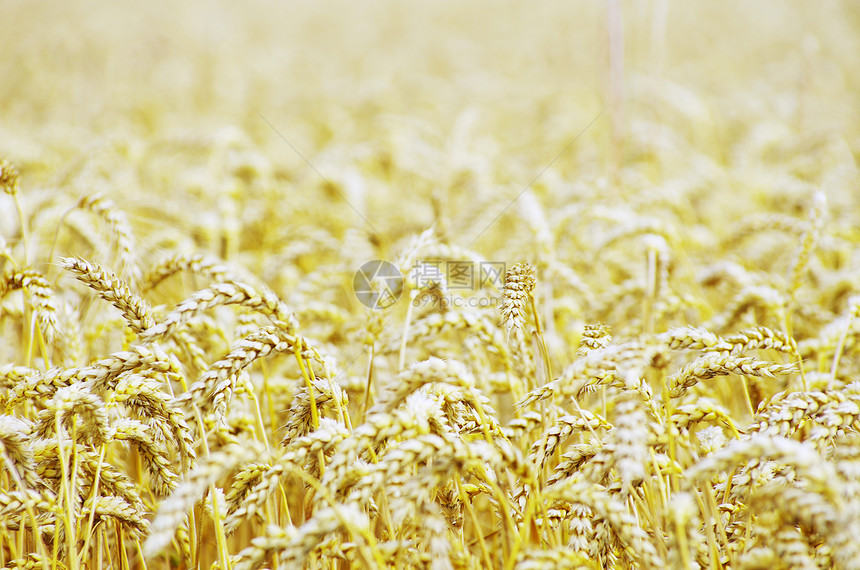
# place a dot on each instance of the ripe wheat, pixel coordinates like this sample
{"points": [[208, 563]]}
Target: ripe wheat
{"points": [[190, 376]]}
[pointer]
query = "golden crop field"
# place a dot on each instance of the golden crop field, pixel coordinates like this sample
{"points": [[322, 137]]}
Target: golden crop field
{"points": [[429, 285]]}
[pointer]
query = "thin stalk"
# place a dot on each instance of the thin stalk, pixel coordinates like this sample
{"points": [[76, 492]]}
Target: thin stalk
{"points": [[669, 405], [485, 553], [715, 515], [24, 233], [315, 417], [141, 559], [123, 557], [28, 506], [341, 413], [747, 397], [259, 418], [270, 401], [650, 296], [401, 360], [370, 355], [681, 533], [786, 328], [839, 348], [93, 495], [220, 535], [541, 341], [66, 486], [60, 224]]}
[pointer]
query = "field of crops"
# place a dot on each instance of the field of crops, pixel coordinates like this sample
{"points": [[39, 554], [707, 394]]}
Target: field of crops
{"points": [[429, 285]]}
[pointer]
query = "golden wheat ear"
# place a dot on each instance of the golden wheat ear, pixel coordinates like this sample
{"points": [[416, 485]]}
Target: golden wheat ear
{"points": [[520, 283]]}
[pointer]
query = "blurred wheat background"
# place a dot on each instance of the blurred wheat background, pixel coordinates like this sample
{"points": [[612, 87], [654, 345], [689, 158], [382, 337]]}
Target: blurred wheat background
{"points": [[665, 376]]}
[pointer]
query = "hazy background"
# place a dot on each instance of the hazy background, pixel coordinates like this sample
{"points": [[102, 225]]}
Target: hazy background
{"points": [[463, 101]]}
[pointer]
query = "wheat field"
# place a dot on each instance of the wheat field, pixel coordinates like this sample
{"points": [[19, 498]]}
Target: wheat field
{"points": [[446, 286]]}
